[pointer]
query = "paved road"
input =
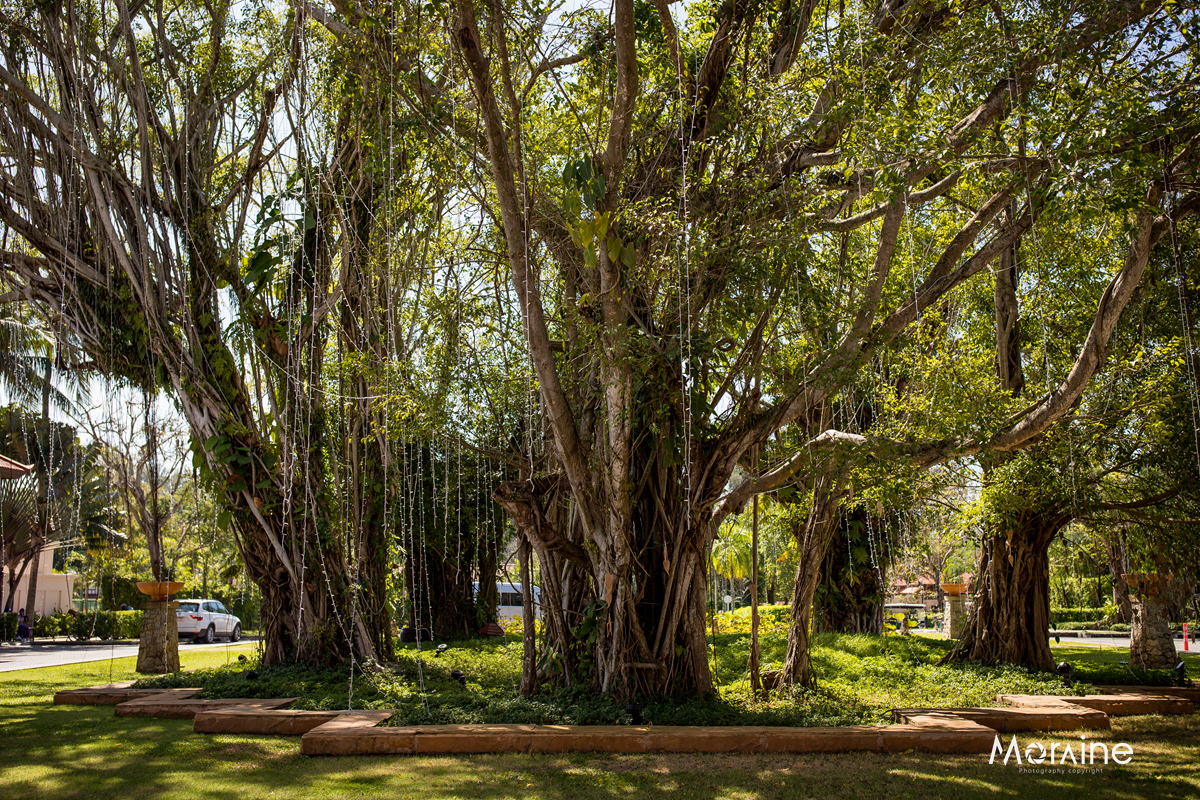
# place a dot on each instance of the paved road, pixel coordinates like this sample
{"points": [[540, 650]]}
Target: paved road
{"points": [[1121, 641], [53, 654]]}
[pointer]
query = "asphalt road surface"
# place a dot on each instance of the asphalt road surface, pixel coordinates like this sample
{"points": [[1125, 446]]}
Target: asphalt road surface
{"points": [[52, 654]]}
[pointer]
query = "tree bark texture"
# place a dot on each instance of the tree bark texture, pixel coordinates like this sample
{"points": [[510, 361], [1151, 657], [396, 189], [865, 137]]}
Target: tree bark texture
{"points": [[851, 593], [1010, 619], [814, 538], [1114, 548]]}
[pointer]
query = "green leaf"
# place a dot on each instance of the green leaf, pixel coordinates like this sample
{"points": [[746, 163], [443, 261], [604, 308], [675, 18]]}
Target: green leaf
{"points": [[614, 249], [628, 256]]}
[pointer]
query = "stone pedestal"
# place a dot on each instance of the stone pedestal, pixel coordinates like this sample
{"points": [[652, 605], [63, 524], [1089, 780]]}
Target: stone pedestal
{"points": [[1152, 645], [158, 648], [954, 616]]}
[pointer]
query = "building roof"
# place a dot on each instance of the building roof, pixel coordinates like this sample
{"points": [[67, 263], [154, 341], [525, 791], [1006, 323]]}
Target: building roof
{"points": [[10, 469]]}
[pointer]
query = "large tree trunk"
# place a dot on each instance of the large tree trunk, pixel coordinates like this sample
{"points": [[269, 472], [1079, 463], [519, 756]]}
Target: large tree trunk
{"points": [[1011, 615], [14, 578], [631, 628], [851, 593], [447, 541], [1114, 548], [442, 596], [819, 528]]}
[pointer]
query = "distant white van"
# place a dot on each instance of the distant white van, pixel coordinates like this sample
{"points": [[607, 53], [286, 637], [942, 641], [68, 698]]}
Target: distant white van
{"points": [[512, 601]]}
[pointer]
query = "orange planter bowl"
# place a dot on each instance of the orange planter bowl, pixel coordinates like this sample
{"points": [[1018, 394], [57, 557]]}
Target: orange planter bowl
{"points": [[159, 590], [954, 589]]}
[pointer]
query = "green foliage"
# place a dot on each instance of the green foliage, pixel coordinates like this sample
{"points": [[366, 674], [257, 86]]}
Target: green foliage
{"points": [[52, 626], [1123, 627], [772, 620], [1088, 672], [859, 679], [1061, 615], [107, 625]]}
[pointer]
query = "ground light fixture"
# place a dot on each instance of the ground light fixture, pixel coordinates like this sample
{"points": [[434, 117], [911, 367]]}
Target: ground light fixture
{"points": [[1064, 670]]}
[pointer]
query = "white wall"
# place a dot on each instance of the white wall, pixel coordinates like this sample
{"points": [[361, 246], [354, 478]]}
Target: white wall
{"points": [[54, 590]]}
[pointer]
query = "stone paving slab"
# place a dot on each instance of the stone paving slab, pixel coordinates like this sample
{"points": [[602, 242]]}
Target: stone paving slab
{"points": [[1186, 692], [357, 735], [330, 739], [938, 735], [1059, 717], [272, 721], [186, 708], [110, 694], [1115, 705]]}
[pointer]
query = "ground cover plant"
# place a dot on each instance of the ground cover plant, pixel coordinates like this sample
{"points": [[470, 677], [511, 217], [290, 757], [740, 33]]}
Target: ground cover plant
{"points": [[87, 753], [860, 678]]}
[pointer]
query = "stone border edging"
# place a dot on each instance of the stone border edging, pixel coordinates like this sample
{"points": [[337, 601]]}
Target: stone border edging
{"points": [[334, 732]]}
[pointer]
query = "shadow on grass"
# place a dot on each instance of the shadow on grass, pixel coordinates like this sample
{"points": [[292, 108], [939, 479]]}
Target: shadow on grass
{"points": [[79, 753]]}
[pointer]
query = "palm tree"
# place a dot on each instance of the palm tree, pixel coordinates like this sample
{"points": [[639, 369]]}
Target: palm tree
{"points": [[29, 353], [18, 531], [31, 358]]}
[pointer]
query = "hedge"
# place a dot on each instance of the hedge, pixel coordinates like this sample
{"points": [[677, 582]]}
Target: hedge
{"points": [[43, 627], [107, 625], [1060, 615]]}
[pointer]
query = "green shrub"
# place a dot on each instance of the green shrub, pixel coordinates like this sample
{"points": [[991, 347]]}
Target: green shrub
{"points": [[43, 627], [860, 678], [52, 626], [1060, 615], [1120, 674], [107, 625], [771, 620], [1091, 626]]}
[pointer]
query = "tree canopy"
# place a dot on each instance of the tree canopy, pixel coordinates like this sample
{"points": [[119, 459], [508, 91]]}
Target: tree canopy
{"points": [[653, 259]]}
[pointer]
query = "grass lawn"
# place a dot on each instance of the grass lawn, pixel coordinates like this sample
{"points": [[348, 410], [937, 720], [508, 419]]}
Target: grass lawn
{"points": [[85, 752], [859, 680]]}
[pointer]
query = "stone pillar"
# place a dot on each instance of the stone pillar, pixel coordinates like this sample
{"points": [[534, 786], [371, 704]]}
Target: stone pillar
{"points": [[1152, 645], [158, 648], [954, 615]]}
